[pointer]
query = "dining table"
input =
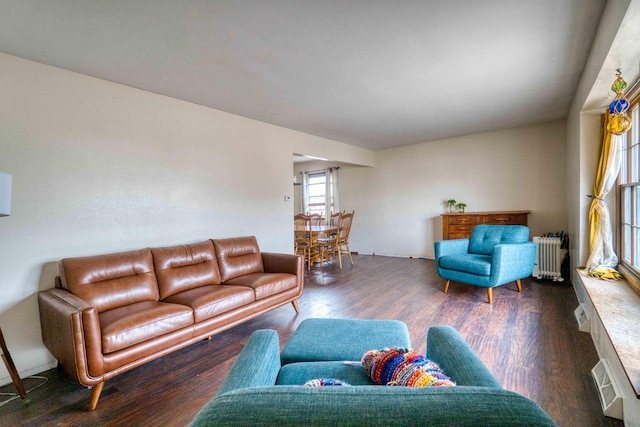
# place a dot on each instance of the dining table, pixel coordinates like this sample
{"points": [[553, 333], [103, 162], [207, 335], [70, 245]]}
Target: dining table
{"points": [[315, 231]]}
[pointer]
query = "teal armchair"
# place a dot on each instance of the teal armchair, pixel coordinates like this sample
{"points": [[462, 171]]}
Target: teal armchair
{"points": [[493, 256], [256, 392]]}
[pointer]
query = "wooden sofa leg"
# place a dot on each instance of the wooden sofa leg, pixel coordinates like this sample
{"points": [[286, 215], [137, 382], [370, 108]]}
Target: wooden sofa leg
{"points": [[490, 295], [519, 283], [446, 286], [95, 395], [295, 306]]}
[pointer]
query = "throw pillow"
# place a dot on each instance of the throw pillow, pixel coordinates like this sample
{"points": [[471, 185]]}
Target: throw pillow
{"points": [[325, 382], [403, 367]]}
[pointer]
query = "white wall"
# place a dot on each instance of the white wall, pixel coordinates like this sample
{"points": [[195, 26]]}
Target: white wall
{"points": [[99, 167], [398, 202]]}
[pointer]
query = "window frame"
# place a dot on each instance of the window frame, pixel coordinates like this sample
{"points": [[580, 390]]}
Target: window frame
{"points": [[629, 182]]}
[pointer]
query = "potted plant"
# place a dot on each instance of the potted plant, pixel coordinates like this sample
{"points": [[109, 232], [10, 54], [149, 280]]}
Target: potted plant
{"points": [[452, 204], [461, 207]]}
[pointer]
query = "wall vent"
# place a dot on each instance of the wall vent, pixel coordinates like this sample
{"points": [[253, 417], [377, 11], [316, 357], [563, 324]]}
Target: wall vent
{"points": [[608, 392], [584, 322]]}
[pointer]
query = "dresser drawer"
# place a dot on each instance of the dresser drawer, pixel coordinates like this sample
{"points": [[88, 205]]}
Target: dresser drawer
{"points": [[465, 219], [461, 229], [507, 219]]}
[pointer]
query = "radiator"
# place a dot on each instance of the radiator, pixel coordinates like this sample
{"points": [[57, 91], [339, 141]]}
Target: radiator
{"points": [[549, 257]]}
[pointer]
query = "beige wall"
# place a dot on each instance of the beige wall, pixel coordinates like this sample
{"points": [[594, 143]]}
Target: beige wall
{"points": [[99, 167], [398, 202]]}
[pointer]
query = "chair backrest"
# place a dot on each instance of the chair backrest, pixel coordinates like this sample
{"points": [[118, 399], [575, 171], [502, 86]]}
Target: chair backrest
{"points": [[302, 237], [316, 219], [346, 219], [334, 219], [485, 236], [302, 219]]}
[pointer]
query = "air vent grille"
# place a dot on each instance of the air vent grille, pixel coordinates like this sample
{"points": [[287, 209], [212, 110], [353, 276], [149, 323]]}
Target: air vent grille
{"points": [[608, 392]]}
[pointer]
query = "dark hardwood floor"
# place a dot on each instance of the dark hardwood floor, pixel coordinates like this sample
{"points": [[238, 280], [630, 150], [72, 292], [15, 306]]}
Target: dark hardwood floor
{"points": [[529, 340]]}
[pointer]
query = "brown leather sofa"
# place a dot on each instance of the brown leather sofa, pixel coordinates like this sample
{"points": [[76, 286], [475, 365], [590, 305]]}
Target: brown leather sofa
{"points": [[111, 313]]}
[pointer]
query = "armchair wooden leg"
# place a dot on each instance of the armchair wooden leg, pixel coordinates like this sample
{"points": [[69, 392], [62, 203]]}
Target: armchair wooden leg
{"points": [[519, 283], [446, 286], [95, 395], [490, 295], [295, 306]]}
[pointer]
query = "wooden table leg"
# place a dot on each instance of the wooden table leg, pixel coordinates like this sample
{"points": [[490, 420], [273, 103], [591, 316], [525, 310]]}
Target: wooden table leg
{"points": [[8, 361]]}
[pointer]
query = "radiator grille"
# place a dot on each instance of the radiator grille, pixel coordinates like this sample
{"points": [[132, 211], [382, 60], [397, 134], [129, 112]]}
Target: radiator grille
{"points": [[549, 257]]}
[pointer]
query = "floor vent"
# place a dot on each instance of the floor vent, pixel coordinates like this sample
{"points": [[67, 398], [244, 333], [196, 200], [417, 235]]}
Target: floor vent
{"points": [[608, 392], [584, 322]]}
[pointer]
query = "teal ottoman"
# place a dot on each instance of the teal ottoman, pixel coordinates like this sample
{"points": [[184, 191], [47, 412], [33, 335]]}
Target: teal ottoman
{"points": [[319, 348], [342, 339]]}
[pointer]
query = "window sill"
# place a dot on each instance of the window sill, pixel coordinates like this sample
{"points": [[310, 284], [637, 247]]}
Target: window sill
{"points": [[618, 307]]}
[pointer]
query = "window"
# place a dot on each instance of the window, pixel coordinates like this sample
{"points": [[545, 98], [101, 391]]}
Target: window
{"points": [[320, 192], [317, 192], [629, 191]]}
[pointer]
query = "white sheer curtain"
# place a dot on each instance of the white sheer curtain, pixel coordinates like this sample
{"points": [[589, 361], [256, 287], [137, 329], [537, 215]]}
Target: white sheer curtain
{"points": [[305, 191], [332, 199]]}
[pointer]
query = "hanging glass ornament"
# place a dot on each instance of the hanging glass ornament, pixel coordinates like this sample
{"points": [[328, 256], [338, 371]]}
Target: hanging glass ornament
{"points": [[619, 121], [619, 124]]}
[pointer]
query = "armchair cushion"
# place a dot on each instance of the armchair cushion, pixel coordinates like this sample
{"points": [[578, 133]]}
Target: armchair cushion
{"points": [[470, 263], [300, 372]]}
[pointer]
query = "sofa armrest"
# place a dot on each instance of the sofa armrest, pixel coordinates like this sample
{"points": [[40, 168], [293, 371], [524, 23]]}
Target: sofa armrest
{"points": [[283, 263], [446, 347], [258, 363], [451, 247], [71, 332], [512, 261]]}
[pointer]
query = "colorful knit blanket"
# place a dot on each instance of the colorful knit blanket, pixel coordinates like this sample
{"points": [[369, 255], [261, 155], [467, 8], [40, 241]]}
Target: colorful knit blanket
{"points": [[403, 367]]}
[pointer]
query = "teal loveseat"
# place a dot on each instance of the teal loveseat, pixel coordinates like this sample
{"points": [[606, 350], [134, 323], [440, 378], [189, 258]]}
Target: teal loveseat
{"points": [[261, 391]]}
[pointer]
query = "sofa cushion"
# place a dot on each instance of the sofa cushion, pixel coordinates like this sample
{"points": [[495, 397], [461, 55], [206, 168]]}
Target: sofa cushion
{"points": [[184, 267], [301, 372], [110, 281], [238, 256], [131, 324], [485, 236], [210, 301], [265, 284], [470, 263]]}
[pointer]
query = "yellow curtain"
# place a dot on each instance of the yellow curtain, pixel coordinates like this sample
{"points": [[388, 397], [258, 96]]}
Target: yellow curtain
{"points": [[603, 260]]}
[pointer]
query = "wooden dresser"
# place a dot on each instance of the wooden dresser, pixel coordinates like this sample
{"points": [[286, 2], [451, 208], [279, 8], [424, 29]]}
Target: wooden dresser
{"points": [[460, 225]]}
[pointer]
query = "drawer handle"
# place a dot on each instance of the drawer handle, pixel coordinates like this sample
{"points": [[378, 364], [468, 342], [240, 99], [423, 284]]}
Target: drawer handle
{"points": [[502, 219], [463, 219], [463, 228]]}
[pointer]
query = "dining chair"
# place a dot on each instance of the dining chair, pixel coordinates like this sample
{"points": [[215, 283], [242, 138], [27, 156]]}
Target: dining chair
{"points": [[338, 245], [304, 243], [327, 242], [342, 239]]}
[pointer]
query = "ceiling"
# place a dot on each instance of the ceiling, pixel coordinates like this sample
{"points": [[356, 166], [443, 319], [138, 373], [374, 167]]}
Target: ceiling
{"points": [[374, 74]]}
